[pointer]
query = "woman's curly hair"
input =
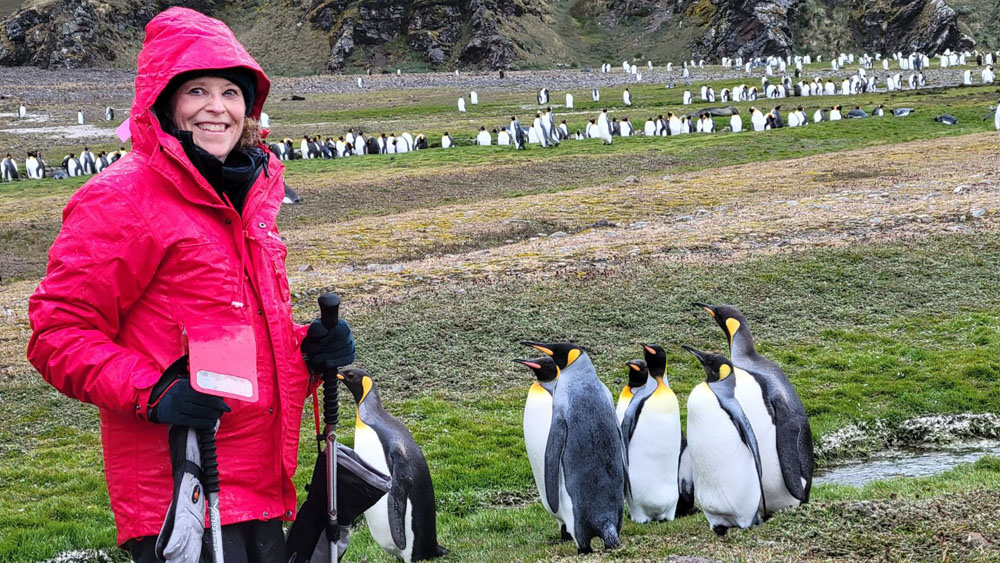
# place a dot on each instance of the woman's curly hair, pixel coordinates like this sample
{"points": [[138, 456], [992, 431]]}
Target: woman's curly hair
{"points": [[251, 136]]}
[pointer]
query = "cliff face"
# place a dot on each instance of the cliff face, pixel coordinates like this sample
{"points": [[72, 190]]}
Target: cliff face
{"points": [[444, 34], [433, 32]]}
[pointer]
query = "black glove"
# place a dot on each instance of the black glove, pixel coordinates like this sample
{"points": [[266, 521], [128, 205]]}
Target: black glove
{"points": [[174, 401], [325, 350]]}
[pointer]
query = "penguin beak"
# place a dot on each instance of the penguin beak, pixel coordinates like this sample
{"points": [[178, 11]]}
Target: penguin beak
{"points": [[697, 353], [528, 363], [340, 376], [708, 308], [538, 346], [632, 366], [648, 349]]}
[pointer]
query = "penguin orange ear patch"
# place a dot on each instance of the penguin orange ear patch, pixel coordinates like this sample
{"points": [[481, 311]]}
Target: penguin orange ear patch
{"points": [[732, 325], [634, 367], [572, 356]]}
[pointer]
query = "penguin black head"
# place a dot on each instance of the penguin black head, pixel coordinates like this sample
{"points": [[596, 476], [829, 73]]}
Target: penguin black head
{"points": [[562, 353], [656, 359], [717, 367], [729, 318], [638, 373], [357, 381], [545, 368]]}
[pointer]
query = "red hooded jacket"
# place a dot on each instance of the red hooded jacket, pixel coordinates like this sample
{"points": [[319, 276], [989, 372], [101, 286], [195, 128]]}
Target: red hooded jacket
{"points": [[147, 247]]}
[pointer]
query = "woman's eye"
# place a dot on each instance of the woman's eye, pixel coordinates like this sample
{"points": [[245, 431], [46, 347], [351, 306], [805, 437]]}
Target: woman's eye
{"points": [[231, 92], [197, 91]]}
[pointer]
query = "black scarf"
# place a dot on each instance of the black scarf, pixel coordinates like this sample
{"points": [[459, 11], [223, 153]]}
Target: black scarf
{"points": [[231, 179]]}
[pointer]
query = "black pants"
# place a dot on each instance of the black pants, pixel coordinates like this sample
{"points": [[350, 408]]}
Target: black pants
{"points": [[247, 542]]}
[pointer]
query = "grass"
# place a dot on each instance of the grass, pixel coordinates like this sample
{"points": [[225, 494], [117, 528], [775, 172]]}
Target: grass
{"points": [[892, 331], [868, 332]]}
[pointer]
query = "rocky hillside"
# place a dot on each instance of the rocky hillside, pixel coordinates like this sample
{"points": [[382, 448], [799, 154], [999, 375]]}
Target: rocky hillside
{"points": [[307, 36]]}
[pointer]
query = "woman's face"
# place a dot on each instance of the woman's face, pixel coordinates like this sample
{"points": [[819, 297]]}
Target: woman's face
{"points": [[213, 109]]}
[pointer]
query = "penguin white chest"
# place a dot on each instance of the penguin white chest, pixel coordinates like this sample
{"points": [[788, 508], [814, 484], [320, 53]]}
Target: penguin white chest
{"points": [[369, 447], [751, 398], [537, 420], [654, 454], [724, 472]]}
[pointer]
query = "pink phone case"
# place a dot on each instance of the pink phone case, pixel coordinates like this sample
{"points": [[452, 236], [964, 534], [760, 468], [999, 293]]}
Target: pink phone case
{"points": [[223, 361]]}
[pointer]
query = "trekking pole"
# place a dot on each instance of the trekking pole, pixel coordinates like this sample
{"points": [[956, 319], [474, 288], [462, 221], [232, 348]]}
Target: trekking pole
{"points": [[329, 310], [210, 482]]}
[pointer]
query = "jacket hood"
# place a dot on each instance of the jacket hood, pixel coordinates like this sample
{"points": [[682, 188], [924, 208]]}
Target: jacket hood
{"points": [[180, 40]]}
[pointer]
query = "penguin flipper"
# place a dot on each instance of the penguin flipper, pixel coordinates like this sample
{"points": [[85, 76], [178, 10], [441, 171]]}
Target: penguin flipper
{"points": [[742, 424], [553, 459], [397, 509], [794, 441]]}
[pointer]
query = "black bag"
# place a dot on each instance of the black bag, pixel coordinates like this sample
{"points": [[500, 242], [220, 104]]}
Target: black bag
{"points": [[359, 487]]}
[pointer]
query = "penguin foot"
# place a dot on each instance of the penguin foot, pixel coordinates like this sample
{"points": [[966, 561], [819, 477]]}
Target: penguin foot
{"points": [[564, 534], [584, 550], [720, 530]]}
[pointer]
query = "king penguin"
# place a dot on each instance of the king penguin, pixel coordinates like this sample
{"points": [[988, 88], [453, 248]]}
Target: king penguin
{"points": [[776, 412], [403, 522], [537, 420], [656, 362], [651, 430], [585, 471], [725, 461]]}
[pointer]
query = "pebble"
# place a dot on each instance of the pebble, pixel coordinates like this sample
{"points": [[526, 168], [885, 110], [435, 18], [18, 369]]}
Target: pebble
{"points": [[979, 212], [685, 218], [558, 234], [631, 180]]}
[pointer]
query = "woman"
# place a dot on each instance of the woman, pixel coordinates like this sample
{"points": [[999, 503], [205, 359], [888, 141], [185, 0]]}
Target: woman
{"points": [[178, 239]]}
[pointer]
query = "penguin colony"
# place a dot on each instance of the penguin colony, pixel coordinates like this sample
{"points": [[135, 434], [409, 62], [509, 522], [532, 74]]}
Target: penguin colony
{"points": [[547, 133], [746, 455]]}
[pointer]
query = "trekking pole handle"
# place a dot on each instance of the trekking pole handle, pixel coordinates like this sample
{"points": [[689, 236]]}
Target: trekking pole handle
{"points": [[329, 309], [329, 314]]}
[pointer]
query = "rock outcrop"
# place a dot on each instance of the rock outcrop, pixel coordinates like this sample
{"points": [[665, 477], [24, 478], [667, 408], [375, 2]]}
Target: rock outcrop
{"points": [[772, 27], [77, 33], [928, 26], [491, 34], [461, 33], [745, 28]]}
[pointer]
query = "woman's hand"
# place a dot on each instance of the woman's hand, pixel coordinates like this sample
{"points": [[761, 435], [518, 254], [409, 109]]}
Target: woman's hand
{"points": [[174, 401], [325, 350]]}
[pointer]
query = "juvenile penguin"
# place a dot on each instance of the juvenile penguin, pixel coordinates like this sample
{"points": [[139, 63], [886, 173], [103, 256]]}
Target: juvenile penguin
{"points": [[585, 476], [8, 169], [656, 362], [725, 461], [651, 430], [776, 412], [537, 420], [403, 522]]}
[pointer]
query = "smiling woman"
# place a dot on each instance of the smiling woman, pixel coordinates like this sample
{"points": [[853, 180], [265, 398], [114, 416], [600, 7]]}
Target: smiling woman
{"points": [[213, 109], [174, 254]]}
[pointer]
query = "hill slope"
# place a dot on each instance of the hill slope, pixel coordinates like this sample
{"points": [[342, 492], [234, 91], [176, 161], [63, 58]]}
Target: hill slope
{"points": [[308, 36]]}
